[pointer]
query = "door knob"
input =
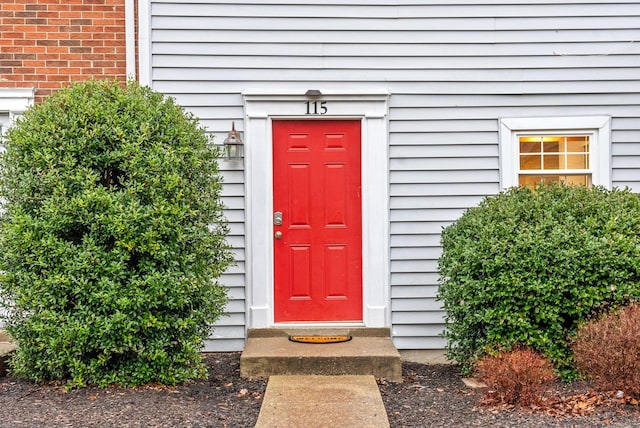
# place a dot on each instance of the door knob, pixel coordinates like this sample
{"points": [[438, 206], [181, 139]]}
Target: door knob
{"points": [[278, 235]]}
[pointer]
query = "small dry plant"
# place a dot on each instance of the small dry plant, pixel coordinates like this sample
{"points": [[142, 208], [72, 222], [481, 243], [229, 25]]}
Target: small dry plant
{"points": [[516, 377], [608, 351]]}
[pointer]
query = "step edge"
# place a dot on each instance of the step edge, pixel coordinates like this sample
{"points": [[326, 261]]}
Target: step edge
{"points": [[329, 331]]}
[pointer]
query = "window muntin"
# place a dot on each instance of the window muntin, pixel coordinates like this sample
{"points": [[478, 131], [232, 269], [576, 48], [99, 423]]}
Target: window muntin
{"points": [[562, 158]]}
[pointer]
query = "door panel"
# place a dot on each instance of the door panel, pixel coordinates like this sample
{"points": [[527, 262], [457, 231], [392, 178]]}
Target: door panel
{"points": [[317, 187]]}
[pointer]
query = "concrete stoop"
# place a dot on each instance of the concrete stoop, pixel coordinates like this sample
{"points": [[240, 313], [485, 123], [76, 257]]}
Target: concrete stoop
{"points": [[269, 352], [6, 348]]}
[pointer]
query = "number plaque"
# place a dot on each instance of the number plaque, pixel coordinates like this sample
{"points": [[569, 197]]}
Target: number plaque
{"points": [[316, 107]]}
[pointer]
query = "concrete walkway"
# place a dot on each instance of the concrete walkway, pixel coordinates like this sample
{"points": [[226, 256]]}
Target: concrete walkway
{"points": [[312, 401]]}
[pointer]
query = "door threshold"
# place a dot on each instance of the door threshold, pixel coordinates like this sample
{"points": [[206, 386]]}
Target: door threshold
{"points": [[338, 324]]}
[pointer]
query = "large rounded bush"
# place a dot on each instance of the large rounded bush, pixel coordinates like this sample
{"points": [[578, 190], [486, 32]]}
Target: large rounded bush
{"points": [[526, 266], [112, 237]]}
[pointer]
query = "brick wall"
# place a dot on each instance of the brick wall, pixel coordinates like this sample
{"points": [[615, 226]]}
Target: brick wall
{"points": [[45, 44]]}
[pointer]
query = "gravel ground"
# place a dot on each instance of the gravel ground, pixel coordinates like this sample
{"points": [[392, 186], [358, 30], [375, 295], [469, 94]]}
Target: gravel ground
{"points": [[430, 396]]}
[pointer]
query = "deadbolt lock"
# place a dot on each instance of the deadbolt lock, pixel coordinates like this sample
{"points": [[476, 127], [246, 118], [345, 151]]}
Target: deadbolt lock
{"points": [[277, 218]]}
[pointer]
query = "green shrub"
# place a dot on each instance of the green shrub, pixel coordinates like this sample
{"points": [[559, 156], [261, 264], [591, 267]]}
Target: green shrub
{"points": [[112, 237], [526, 266], [607, 350]]}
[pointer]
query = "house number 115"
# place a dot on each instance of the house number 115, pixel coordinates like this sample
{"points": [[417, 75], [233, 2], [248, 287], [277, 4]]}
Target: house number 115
{"points": [[316, 107]]}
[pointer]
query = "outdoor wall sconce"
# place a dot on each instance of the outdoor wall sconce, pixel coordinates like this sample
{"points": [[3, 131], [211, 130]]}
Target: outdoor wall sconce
{"points": [[313, 93], [233, 145]]}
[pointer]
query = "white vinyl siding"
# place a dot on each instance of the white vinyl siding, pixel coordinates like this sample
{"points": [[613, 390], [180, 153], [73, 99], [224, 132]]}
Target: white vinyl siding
{"points": [[453, 69], [228, 334]]}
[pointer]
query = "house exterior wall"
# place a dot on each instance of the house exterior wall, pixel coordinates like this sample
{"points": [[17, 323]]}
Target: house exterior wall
{"points": [[453, 71], [47, 44]]}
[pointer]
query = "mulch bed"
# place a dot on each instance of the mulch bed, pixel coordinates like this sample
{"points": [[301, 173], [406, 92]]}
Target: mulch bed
{"points": [[435, 396], [430, 396]]}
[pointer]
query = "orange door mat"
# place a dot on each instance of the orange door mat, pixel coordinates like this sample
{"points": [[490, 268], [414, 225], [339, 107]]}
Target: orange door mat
{"points": [[320, 339]]}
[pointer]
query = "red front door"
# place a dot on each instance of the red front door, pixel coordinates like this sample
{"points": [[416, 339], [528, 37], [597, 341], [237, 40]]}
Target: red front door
{"points": [[317, 220]]}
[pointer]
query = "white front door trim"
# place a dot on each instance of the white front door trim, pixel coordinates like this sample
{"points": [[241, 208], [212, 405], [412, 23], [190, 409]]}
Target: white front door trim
{"points": [[371, 107]]}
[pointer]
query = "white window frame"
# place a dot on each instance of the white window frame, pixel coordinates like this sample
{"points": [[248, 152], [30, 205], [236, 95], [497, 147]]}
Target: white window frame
{"points": [[15, 101], [598, 128]]}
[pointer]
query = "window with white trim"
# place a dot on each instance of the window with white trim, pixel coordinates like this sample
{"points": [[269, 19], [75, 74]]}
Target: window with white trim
{"points": [[571, 150], [4, 124], [13, 102]]}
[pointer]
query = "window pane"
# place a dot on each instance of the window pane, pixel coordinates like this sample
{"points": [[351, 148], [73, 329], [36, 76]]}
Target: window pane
{"points": [[531, 162], [574, 180], [578, 161], [553, 162], [578, 144], [577, 180], [553, 144], [530, 180], [530, 144], [534, 180]]}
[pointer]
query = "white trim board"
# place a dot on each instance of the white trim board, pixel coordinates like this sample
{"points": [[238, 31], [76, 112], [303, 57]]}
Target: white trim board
{"points": [[16, 100], [371, 107], [144, 42], [130, 38]]}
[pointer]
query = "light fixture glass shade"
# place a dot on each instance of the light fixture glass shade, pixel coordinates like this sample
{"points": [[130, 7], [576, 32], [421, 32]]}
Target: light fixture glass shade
{"points": [[234, 151]]}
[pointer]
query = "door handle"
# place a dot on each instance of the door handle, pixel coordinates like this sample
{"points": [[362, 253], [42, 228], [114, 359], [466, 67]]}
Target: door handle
{"points": [[277, 218], [278, 235]]}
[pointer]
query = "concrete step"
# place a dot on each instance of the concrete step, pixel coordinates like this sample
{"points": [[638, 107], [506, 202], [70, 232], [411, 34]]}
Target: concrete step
{"points": [[322, 401], [269, 352], [6, 348]]}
